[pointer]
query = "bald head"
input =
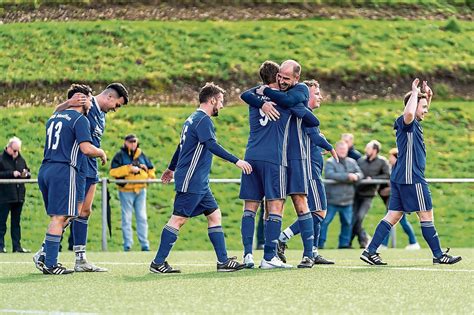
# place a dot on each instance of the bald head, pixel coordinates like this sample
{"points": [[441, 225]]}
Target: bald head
{"points": [[289, 74], [291, 65]]}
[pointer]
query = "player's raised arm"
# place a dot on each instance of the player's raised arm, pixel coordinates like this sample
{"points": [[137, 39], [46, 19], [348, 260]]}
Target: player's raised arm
{"points": [[410, 108], [309, 119], [427, 91], [77, 100]]}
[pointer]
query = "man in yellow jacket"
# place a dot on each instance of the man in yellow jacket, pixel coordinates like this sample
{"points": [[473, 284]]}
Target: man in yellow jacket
{"points": [[131, 163]]}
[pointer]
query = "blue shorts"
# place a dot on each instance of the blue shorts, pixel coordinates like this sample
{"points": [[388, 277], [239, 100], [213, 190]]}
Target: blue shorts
{"points": [[410, 197], [317, 195], [297, 180], [83, 185], [190, 205], [266, 180], [58, 184]]}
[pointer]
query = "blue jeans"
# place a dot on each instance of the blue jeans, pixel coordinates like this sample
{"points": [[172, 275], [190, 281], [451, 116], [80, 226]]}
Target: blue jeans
{"points": [[345, 214], [408, 230], [131, 201]]}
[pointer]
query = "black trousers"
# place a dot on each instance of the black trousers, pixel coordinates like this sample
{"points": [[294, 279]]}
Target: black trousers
{"points": [[15, 229]]}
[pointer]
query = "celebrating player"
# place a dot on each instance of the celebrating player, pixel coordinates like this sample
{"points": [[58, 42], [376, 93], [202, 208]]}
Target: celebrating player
{"points": [[410, 192]]}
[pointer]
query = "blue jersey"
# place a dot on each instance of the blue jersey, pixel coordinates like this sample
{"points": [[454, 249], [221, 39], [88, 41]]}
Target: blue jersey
{"points": [[411, 162], [65, 130], [296, 149], [268, 140], [315, 145], [96, 119], [194, 160]]}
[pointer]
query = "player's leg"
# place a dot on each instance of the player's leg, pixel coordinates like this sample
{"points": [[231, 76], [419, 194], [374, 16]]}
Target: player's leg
{"points": [[169, 236], [80, 228], [425, 214], [305, 221], [252, 192], [272, 231], [142, 221]]}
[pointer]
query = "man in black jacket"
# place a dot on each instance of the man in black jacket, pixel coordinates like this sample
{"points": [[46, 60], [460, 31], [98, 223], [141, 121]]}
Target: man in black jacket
{"points": [[12, 196]]}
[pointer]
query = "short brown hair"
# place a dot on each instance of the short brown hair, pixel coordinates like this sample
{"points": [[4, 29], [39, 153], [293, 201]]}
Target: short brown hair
{"points": [[408, 95], [79, 88], [311, 83], [208, 91], [268, 72], [120, 89]]}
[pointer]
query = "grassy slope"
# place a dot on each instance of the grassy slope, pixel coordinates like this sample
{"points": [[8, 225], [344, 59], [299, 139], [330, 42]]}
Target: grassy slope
{"points": [[448, 133], [137, 51], [344, 288]]}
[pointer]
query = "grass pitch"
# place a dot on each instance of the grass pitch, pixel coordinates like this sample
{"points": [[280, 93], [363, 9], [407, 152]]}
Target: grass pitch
{"points": [[410, 284]]}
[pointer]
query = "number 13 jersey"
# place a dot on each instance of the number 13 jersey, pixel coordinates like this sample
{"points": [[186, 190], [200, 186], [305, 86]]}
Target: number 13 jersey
{"points": [[65, 130]]}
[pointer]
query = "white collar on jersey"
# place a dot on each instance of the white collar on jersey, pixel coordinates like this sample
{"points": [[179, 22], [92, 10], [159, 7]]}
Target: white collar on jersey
{"points": [[94, 102]]}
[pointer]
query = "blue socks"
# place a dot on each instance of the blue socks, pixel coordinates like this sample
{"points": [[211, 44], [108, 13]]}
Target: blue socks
{"points": [[216, 235], [289, 232], [431, 237], [79, 230], [307, 233], [168, 238], [247, 230], [272, 231], [381, 232], [51, 249], [316, 227]]}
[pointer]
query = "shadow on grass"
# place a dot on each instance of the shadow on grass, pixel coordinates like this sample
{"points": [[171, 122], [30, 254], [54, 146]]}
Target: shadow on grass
{"points": [[25, 278], [201, 275], [366, 269]]}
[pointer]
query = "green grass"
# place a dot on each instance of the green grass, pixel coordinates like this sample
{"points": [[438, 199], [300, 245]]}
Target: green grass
{"points": [[448, 134], [154, 53], [410, 284]]}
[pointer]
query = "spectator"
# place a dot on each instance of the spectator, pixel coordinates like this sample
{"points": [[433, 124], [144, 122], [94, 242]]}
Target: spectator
{"points": [[373, 166], [349, 139], [131, 163], [407, 228], [12, 196], [340, 195]]}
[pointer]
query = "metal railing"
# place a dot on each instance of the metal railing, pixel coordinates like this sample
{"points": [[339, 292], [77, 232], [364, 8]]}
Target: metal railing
{"points": [[104, 181]]}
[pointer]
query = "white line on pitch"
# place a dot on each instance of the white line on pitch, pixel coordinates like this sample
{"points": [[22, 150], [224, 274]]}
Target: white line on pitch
{"points": [[41, 312], [320, 266]]}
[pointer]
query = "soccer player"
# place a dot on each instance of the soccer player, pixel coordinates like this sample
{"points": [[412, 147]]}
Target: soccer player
{"points": [[113, 97], [317, 194], [266, 152], [190, 167], [68, 140], [410, 192], [292, 92]]}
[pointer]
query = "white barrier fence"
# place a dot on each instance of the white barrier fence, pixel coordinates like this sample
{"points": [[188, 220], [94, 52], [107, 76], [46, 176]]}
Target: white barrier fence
{"points": [[105, 181]]}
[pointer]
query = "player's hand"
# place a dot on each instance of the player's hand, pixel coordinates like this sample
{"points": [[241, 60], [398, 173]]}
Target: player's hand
{"points": [[269, 109], [426, 89], [334, 155], [414, 85], [352, 177], [244, 166], [135, 169], [167, 176], [77, 100], [103, 157], [16, 174], [259, 90], [143, 167]]}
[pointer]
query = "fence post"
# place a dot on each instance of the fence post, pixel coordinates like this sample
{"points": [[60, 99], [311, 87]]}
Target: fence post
{"points": [[104, 213]]}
